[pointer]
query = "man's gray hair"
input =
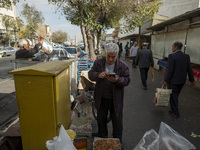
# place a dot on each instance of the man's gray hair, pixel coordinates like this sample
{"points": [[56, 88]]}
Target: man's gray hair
{"points": [[112, 48], [22, 42]]}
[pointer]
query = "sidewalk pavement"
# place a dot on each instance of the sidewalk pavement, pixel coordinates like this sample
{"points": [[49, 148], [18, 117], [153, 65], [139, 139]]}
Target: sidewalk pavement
{"points": [[7, 86], [8, 103], [140, 113]]}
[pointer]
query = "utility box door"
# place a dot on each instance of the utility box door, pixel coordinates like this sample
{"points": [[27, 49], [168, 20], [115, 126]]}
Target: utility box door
{"points": [[43, 99], [62, 97]]}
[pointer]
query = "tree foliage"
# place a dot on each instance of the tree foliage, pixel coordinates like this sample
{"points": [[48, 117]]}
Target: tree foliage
{"points": [[137, 12], [59, 36], [92, 15], [33, 18], [10, 24], [20, 22], [6, 3], [98, 15]]}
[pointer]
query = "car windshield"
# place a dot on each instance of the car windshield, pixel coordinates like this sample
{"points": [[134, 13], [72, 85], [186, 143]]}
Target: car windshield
{"points": [[71, 50], [60, 53]]}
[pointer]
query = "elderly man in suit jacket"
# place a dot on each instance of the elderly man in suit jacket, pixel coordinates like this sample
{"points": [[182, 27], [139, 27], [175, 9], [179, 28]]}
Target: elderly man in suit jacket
{"points": [[144, 60], [176, 74]]}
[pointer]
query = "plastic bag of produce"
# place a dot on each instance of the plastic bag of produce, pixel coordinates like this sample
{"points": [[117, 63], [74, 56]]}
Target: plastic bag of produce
{"points": [[162, 96], [61, 142], [172, 140], [150, 141], [167, 139]]}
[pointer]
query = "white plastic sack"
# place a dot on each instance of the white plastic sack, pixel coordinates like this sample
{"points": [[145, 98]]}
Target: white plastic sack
{"points": [[167, 139], [62, 142], [150, 141], [162, 96], [172, 140], [47, 46]]}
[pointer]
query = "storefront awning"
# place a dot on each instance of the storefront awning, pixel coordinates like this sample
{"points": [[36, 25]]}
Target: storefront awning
{"points": [[182, 17]]}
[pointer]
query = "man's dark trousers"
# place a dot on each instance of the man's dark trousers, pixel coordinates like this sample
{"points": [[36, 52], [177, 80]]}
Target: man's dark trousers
{"points": [[102, 113], [133, 63], [119, 54], [144, 74], [176, 89]]}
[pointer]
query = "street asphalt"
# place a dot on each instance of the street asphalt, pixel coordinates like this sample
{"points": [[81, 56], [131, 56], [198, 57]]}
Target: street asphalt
{"points": [[8, 103], [140, 113]]}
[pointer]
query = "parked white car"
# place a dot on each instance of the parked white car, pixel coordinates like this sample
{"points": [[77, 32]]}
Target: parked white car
{"points": [[8, 51], [59, 54], [73, 50], [56, 54]]}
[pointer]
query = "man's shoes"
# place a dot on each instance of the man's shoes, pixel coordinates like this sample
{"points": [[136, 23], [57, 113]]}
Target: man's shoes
{"points": [[173, 115]]}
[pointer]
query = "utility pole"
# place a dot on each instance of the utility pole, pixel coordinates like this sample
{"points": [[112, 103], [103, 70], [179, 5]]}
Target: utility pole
{"points": [[76, 42]]}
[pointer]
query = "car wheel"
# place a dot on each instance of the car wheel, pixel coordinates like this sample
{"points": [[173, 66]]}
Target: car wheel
{"points": [[4, 54]]}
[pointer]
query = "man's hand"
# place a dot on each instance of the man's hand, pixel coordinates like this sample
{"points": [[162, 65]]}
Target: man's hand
{"points": [[41, 38], [102, 75], [164, 84], [112, 79], [45, 51]]}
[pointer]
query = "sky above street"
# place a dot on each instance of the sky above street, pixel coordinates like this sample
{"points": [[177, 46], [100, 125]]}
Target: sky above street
{"points": [[55, 20]]}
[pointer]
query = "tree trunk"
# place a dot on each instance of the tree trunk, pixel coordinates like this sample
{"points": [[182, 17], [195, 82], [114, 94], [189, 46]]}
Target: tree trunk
{"points": [[139, 38], [90, 43], [8, 40], [98, 39], [15, 39], [8, 36], [94, 42], [84, 37]]}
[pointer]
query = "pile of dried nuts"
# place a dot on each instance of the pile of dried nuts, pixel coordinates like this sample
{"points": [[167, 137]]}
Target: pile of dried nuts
{"points": [[106, 144]]}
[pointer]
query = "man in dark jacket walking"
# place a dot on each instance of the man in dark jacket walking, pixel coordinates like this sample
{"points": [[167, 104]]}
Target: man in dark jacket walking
{"points": [[109, 90], [178, 66], [144, 60]]}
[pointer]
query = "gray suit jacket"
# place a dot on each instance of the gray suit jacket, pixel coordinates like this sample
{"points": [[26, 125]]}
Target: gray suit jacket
{"points": [[144, 58], [178, 67]]}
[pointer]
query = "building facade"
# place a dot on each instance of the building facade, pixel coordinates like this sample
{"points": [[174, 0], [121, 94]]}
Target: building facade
{"points": [[184, 28], [6, 11], [169, 9], [42, 29], [172, 8]]}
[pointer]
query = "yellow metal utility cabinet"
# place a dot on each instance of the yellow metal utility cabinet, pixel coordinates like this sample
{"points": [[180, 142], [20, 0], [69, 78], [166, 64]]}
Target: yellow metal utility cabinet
{"points": [[43, 99]]}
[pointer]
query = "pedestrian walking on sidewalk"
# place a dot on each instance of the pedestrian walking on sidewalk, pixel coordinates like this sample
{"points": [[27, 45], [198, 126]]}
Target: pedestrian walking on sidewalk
{"points": [[120, 50], [126, 50], [144, 60], [133, 53], [109, 90], [178, 67]]}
